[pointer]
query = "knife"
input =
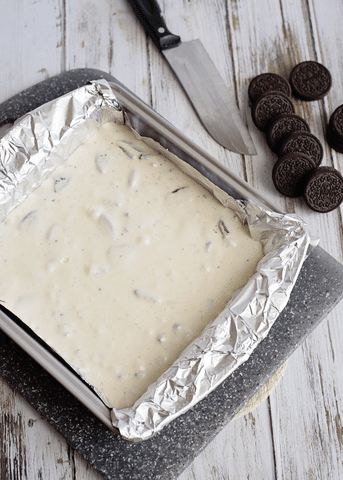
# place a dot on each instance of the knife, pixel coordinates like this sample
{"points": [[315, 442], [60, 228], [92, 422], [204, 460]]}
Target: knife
{"points": [[199, 77]]}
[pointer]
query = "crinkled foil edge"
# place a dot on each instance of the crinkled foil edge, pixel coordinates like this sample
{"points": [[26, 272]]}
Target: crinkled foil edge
{"points": [[233, 336], [43, 139]]}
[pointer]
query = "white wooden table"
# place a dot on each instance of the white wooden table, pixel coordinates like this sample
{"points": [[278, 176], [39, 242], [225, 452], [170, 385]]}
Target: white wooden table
{"points": [[297, 433]]}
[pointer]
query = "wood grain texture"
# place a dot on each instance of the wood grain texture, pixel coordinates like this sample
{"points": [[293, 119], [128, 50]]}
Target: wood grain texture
{"points": [[31, 449], [298, 432]]}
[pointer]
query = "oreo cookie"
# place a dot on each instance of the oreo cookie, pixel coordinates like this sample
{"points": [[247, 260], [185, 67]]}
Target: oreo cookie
{"points": [[268, 106], [335, 130], [310, 80], [282, 125], [290, 173], [324, 189], [266, 82], [334, 142], [303, 142]]}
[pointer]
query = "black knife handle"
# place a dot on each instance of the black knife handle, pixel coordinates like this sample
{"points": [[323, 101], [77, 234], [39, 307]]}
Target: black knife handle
{"points": [[149, 14], [47, 90]]}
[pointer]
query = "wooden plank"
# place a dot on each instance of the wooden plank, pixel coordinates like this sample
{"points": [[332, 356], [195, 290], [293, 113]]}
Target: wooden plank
{"points": [[31, 448], [305, 409], [244, 449], [32, 36], [108, 38]]}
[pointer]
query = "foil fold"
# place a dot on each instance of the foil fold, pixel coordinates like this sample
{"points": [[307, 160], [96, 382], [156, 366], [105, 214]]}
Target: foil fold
{"points": [[232, 337], [43, 139]]}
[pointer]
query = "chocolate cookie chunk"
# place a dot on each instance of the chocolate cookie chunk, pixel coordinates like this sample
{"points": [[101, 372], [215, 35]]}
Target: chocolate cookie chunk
{"points": [[335, 130], [282, 125], [290, 173], [268, 106], [324, 189], [310, 80], [303, 142], [265, 83]]}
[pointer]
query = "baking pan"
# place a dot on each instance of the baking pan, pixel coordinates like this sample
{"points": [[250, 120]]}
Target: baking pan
{"points": [[148, 124], [245, 320], [202, 422]]}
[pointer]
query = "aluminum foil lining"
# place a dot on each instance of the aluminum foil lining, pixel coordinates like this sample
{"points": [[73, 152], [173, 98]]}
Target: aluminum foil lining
{"points": [[43, 139]]}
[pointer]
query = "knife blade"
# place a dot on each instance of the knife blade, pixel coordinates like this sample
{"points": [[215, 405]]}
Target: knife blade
{"points": [[210, 97]]}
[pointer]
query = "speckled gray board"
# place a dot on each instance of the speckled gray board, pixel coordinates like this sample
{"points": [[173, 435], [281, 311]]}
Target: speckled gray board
{"points": [[318, 289], [48, 90]]}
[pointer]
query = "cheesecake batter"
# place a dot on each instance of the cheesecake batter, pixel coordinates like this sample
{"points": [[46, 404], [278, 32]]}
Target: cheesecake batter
{"points": [[119, 260]]}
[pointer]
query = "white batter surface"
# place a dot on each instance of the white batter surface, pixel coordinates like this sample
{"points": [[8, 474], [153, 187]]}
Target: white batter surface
{"points": [[118, 260]]}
